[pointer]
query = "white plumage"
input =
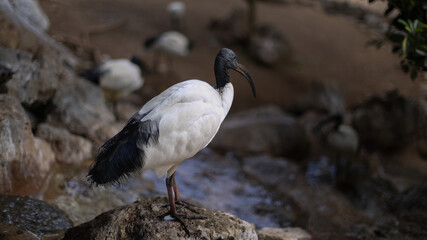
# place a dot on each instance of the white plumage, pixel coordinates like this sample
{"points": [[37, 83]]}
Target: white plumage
{"points": [[340, 138], [121, 75], [176, 12], [172, 43], [117, 77], [191, 113], [344, 139]]}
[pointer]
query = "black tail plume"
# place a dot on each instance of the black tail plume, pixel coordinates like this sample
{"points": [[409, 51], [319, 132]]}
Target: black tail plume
{"points": [[123, 154]]}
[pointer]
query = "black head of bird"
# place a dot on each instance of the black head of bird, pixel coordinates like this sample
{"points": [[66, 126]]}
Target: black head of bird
{"points": [[227, 59]]}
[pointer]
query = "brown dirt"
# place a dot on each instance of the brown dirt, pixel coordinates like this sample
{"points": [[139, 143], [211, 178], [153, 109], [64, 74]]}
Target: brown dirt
{"points": [[327, 48]]}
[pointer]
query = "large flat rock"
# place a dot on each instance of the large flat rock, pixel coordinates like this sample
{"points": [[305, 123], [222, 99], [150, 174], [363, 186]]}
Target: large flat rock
{"points": [[140, 221]]}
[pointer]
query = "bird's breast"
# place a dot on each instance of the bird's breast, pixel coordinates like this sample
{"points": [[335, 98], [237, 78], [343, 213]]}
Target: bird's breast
{"points": [[187, 126]]}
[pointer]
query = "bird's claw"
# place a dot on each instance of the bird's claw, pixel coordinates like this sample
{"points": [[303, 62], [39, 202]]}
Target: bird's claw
{"points": [[187, 205], [178, 217], [184, 204]]}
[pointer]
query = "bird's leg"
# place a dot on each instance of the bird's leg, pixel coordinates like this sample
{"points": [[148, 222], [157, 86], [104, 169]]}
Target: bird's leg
{"points": [[175, 187], [172, 211], [178, 200]]}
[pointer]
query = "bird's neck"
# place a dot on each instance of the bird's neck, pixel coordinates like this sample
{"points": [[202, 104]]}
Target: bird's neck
{"points": [[221, 74]]}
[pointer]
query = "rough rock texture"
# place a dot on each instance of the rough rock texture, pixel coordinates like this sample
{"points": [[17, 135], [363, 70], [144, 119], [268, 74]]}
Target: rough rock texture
{"points": [[68, 148], [387, 122], [411, 205], [283, 234], [22, 34], [79, 107], [140, 221], [265, 130], [32, 215], [22, 157], [322, 98], [269, 45], [12, 232], [35, 78], [31, 11], [322, 208], [5, 74]]}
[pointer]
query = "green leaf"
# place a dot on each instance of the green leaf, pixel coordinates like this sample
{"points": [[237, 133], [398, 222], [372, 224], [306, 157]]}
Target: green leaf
{"points": [[404, 45], [420, 52], [403, 22]]}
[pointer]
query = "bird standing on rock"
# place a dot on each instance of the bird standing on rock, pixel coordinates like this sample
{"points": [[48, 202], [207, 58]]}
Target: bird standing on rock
{"points": [[169, 129]]}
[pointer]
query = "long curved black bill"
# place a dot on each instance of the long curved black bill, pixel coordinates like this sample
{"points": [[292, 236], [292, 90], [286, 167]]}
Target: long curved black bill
{"points": [[242, 70]]}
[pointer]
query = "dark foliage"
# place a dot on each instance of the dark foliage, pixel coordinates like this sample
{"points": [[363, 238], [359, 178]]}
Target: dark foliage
{"points": [[408, 34]]}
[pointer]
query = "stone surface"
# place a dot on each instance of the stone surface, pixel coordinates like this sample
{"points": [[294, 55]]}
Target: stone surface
{"points": [[411, 205], [22, 34], [31, 11], [68, 148], [32, 215], [125, 110], [387, 122], [321, 207], [289, 233], [79, 107], [12, 232], [23, 157], [322, 98], [35, 78], [140, 221], [265, 130], [5, 74]]}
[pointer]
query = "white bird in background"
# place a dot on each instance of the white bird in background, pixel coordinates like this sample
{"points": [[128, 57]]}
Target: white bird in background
{"points": [[176, 12], [169, 129], [342, 139], [171, 43], [117, 78]]}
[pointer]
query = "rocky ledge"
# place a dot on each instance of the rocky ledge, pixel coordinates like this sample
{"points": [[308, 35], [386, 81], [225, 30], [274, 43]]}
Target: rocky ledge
{"points": [[140, 220]]}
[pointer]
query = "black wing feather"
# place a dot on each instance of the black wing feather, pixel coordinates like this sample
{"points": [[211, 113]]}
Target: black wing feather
{"points": [[94, 74], [124, 153]]}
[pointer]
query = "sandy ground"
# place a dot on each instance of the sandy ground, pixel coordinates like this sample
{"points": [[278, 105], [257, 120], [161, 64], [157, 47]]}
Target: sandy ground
{"points": [[326, 48]]}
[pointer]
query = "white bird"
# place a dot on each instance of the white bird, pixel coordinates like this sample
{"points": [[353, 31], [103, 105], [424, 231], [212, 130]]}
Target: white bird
{"points": [[117, 77], [169, 129], [176, 12], [171, 43], [342, 138]]}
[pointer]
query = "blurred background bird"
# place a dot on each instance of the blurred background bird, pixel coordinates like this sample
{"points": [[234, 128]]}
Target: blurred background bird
{"points": [[167, 44], [176, 11], [341, 142], [117, 77]]}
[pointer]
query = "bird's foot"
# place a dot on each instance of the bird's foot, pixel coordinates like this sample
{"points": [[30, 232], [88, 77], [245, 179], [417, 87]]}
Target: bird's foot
{"points": [[178, 217], [184, 204], [187, 205]]}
